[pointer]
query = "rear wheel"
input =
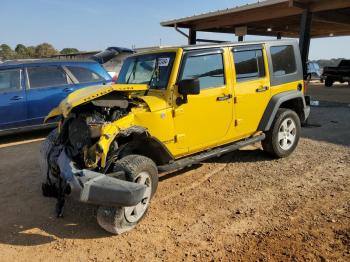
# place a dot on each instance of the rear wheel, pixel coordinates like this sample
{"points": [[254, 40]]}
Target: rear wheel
{"points": [[138, 169], [328, 82], [283, 136]]}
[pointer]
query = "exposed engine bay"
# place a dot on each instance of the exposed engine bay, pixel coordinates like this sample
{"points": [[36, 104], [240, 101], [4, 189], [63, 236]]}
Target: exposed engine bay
{"points": [[81, 130], [73, 151]]}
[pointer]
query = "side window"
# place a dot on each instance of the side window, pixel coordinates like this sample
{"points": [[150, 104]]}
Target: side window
{"points": [[283, 60], [249, 65], [209, 69], [48, 76], [84, 75], [10, 80]]}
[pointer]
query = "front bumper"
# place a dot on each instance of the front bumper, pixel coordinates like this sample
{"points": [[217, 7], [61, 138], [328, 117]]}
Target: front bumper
{"points": [[96, 188]]}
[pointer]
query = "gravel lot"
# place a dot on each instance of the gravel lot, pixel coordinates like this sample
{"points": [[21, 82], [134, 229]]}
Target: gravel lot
{"points": [[243, 206]]}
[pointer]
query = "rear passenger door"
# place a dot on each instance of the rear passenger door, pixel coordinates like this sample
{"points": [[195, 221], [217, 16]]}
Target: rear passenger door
{"points": [[252, 87], [46, 87], [13, 111]]}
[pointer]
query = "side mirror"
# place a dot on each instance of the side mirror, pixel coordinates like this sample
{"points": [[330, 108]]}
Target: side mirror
{"points": [[187, 87]]}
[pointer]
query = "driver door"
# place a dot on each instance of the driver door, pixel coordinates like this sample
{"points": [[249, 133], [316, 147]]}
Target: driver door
{"points": [[206, 118]]}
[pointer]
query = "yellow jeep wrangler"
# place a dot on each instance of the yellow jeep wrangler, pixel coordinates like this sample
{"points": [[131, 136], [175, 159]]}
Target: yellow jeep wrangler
{"points": [[171, 108]]}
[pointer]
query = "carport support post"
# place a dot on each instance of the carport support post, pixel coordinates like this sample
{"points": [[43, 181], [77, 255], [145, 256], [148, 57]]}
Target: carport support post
{"points": [[192, 37], [304, 39]]}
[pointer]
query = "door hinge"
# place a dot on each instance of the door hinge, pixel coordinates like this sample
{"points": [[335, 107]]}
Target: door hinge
{"points": [[177, 112], [236, 122]]}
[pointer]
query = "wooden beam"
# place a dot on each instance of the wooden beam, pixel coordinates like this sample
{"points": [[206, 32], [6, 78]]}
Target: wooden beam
{"points": [[294, 3], [327, 5], [337, 19], [247, 16], [192, 37], [304, 39]]}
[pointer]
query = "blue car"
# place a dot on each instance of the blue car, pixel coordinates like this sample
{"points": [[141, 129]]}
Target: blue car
{"points": [[30, 89]]}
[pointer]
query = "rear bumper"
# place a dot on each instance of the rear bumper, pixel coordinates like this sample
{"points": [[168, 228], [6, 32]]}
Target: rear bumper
{"points": [[96, 188]]}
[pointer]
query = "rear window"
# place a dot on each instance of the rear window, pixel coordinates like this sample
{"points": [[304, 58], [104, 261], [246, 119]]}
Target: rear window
{"points": [[49, 76], [10, 79], [283, 60], [84, 75]]}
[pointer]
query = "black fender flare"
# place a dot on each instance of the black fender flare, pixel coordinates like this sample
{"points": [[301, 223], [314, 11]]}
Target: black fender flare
{"points": [[143, 143], [275, 103]]}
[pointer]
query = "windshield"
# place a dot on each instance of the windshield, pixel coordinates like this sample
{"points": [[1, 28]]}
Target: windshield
{"points": [[151, 69], [344, 63]]}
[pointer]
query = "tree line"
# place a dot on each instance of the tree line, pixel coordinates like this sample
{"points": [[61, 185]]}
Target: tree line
{"points": [[40, 51]]}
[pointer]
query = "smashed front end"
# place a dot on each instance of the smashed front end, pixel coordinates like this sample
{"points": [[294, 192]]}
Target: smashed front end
{"points": [[76, 157]]}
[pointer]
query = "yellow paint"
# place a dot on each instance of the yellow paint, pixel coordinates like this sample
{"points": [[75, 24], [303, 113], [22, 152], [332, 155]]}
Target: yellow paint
{"points": [[87, 94], [202, 123]]}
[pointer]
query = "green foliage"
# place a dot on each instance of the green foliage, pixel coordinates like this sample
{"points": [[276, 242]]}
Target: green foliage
{"points": [[68, 50], [30, 52], [21, 51], [6, 52], [45, 50]]}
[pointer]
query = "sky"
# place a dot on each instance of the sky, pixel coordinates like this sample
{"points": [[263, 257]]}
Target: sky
{"points": [[96, 24]]}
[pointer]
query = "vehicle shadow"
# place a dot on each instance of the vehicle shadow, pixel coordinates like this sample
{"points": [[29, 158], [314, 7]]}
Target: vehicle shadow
{"points": [[238, 156], [42, 227], [23, 137]]}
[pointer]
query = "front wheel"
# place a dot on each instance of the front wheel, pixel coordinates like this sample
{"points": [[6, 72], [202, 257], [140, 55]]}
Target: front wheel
{"points": [[138, 169], [284, 134]]}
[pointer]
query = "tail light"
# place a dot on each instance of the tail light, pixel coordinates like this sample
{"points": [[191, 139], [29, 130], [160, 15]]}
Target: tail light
{"points": [[115, 78], [305, 87]]}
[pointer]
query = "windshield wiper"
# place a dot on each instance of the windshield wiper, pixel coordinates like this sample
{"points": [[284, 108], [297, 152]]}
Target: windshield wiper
{"points": [[155, 72], [133, 71]]}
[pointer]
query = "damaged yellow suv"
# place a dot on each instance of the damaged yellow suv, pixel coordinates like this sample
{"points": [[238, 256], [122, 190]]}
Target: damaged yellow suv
{"points": [[169, 109]]}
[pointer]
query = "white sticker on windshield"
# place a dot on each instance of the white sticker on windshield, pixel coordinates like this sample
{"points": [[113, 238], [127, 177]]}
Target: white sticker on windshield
{"points": [[163, 61]]}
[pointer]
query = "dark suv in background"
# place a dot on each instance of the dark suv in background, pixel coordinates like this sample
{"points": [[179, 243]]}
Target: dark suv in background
{"points": [[29, 89]]}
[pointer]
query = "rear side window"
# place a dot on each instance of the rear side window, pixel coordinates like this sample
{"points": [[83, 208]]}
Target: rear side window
{"points": [[209, 69], [49, 76], [283, 60], [249, 65], [10, 80], [84, 75]]}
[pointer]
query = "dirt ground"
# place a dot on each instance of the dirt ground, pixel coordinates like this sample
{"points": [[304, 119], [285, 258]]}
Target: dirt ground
{"points": [[243, 206]]}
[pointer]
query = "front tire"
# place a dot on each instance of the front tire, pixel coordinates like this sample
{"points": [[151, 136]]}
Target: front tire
{"points": [[138, 169], [284, 134]]}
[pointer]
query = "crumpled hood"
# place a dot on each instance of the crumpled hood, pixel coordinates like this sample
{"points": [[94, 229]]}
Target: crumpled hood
{"points": [[84, 95]]}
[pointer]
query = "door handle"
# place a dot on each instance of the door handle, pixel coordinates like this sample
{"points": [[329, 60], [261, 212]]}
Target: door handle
{"points": [[223, 98], [16, 98], [68, 89], [262, 89]]}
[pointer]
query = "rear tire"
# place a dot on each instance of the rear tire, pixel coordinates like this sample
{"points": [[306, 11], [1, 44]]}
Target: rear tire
{"points": [[138, 169], [328, 82], [284, 134]]}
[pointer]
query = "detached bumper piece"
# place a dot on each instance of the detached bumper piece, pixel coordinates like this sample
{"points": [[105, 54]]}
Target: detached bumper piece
{"points": [[97, 188]]}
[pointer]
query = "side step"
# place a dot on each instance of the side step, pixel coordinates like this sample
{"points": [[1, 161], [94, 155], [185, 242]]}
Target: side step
{"points": [[216, 152]]}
